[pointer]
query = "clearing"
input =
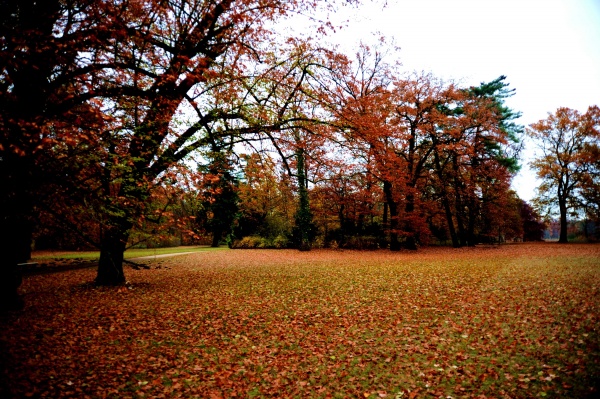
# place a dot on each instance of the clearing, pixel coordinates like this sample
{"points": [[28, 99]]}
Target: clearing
{"points": [[517, 321]]}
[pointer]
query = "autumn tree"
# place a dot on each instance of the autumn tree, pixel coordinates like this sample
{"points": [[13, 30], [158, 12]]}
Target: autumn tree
{"points": [[45, 85], [416, 103], [475, 154], [397, 125], [181, 75], [288, 96], [431, 143], [359, 102], [565, 140]]}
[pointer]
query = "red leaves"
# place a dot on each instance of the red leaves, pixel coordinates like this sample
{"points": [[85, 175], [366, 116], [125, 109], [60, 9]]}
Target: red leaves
{"points": [[512, 321]]}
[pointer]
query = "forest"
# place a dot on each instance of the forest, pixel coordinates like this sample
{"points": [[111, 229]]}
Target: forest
{"points": [[152, 123]]}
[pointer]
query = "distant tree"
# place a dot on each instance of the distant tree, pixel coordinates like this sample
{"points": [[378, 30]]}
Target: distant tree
{"points": [[360, 101], [567, 141], [533, 226], [266, 199], [288, 96], [589, 194], [219, 197]]}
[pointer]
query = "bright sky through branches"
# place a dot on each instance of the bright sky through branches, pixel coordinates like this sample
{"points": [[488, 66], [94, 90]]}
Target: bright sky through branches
{"points": [[548, 49]]}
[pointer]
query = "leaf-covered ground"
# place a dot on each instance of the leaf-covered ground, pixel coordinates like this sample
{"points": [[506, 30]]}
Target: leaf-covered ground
{"points": [[518, 321]]}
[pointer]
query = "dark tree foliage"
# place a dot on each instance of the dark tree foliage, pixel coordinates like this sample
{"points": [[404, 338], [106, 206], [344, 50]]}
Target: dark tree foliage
{"points": [[41, 103], [219, 205], [533, 227]]}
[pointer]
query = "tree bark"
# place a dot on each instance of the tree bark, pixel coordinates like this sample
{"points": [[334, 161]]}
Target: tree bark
{"points": [[303, 215], [393, 210], [342, 224], [27, 27], [110, 267], [562, 205], [458, 203], [471, 240], [15, 247], [217, 234], [446, 202], [411, 241]]}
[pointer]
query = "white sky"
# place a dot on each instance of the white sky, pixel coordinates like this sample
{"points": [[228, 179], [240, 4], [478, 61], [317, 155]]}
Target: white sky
{"points": [[548, 49]]}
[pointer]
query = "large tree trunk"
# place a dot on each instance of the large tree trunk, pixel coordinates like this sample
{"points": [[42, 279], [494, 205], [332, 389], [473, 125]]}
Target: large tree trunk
{"points": [[16, 209], [110, 267], [28, 28], [562, 205], [216, 239], [15, 248]]}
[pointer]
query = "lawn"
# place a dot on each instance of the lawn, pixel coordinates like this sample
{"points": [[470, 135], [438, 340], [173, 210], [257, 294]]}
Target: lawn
{"points": [[517, 321], [44, 256]]}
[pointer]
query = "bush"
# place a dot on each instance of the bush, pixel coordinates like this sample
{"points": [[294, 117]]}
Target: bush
{"points": [[247, 242], [280, 242], [251, 242]]}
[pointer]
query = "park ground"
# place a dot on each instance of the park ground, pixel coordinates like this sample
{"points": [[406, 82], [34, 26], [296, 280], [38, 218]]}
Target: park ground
{"points": [[514, 321]]}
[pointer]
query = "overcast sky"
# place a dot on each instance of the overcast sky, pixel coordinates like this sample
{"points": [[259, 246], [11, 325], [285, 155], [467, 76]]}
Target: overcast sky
{"points": [[548, 49]]}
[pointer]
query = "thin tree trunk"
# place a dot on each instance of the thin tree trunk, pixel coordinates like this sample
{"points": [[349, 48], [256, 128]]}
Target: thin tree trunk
{"points": [[458, 203], [342, 224], [411, 240], [471, 240], [446, 202], [303, 215], [385, 215], [393, 210]]}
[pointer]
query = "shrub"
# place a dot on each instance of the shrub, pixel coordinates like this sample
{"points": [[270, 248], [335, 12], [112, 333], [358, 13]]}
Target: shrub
{"points": [[280, 242], [248, 242], [251, 242]]}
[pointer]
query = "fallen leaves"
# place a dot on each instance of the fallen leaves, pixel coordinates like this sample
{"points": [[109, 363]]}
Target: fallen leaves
{"points": [[517, 321]]}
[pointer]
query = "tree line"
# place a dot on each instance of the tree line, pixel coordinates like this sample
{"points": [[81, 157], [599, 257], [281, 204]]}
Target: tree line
{"points": [[107, 107]]}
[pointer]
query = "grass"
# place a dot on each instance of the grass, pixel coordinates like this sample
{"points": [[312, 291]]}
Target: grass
{"points": [[129, 254], [519, 321]]}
